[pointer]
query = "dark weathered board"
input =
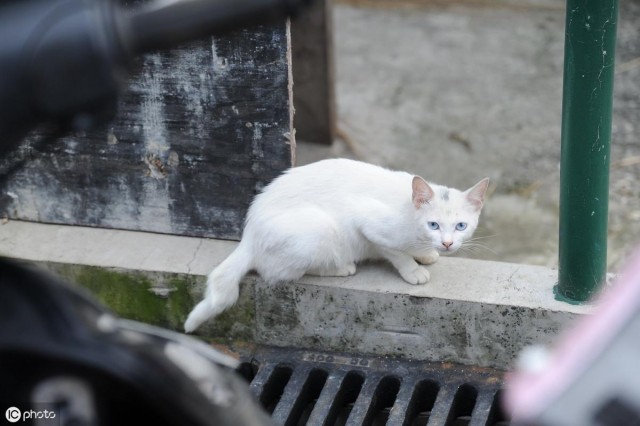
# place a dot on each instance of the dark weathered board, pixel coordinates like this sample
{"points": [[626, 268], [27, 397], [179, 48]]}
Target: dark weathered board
{"points": [[313, 73], [200, 130]]}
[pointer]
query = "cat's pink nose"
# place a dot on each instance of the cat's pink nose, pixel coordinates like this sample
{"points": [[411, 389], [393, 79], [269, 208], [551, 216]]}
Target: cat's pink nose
{"points": [[447, 244]]}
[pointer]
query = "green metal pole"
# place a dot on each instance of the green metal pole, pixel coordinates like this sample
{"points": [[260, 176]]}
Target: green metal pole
{"points": [[590, 41]]}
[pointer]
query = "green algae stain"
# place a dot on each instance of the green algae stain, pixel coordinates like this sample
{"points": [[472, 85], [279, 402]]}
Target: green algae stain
{"points": [[238, 322], [160, 299]]}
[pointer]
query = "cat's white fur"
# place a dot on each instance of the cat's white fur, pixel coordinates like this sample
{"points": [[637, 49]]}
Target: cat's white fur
{"points": [[324, 218]]}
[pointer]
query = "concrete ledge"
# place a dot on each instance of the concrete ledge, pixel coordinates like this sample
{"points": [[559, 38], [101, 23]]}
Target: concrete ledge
{"points": [[472, 312]]}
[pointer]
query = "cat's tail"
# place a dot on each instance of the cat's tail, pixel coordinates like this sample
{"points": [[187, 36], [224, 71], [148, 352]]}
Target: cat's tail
{"points": [[223, 287]]}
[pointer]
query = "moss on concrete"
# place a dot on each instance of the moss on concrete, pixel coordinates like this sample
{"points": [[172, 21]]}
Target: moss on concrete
{"points": [[162, 299], [238, 322], [146, 297]]}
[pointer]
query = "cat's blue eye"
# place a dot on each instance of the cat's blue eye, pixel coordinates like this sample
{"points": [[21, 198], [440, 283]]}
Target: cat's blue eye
{"points": [[433, 225], [461, 226]]}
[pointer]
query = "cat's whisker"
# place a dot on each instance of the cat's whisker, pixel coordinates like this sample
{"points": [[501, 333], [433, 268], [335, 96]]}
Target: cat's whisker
{"points": [[470, 253], [475, 247], [476, 244], [468, 249], [484, 237]]}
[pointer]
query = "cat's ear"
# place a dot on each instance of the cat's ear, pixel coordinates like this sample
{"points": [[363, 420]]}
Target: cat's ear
{"points": [[475, 195], [422, 192]]}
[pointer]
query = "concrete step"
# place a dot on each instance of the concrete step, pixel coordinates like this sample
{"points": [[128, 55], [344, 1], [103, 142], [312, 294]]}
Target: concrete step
{"points": [[471, 312]]}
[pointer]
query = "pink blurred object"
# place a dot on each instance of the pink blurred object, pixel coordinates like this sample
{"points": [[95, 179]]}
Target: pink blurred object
{"points": [[592, 377]]}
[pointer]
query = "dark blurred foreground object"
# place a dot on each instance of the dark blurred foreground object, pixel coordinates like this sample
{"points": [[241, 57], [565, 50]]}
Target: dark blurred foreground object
{"points": [[61, 353], [65, 60], [59, 347], [592, 378]]}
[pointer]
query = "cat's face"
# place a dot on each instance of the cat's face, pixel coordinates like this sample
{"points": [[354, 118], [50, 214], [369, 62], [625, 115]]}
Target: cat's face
{"points": [[447, 217]]}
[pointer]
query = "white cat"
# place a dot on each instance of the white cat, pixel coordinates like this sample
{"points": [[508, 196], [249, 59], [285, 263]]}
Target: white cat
{"points": [[324, 218]]}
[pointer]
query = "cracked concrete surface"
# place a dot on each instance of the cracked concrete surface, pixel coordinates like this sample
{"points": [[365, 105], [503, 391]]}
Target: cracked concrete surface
{"points": [[194, 258], [140, 251]]}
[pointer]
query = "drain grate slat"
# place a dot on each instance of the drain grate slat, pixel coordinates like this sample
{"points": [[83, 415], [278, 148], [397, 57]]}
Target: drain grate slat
{"points": [[400, 412], [361, 407], [299, 396], [497, 416], [375, 402], [270, 388], [288, 402], [414, 403], [314, 385], [384, 401], [337, 399], [312, 388], [442, 407], [464, 401], [291, 393], [482, 412], [260, 379], [325, 411]]}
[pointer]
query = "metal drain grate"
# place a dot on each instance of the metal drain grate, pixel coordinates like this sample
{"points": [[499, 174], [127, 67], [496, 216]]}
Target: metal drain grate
{"points": [[300, 387]]}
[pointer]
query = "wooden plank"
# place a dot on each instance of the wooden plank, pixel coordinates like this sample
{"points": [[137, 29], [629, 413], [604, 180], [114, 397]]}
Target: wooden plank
{"points": [[200, 130], [313, 73]]}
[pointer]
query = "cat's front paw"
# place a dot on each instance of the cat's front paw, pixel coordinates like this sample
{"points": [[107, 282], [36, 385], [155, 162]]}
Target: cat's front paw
{"points": [[351, 269], [343, 271], [346, 271], [418, 275], [429, 258]]}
